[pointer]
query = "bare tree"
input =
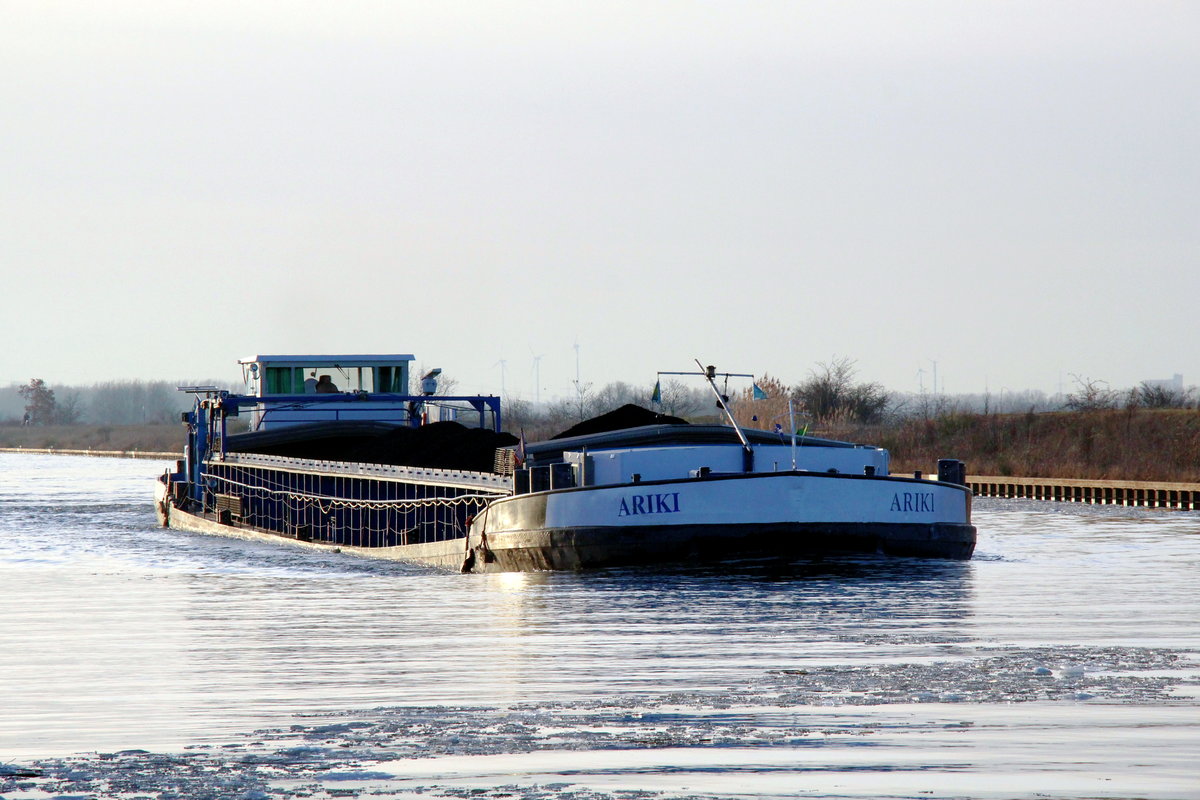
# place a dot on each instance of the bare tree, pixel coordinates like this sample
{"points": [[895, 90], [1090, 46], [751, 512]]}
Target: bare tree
{"points": [[1091, 395], [1158, 396], [68, 408], [134, 402], [830, 394], [681, 400], [616, 394]]}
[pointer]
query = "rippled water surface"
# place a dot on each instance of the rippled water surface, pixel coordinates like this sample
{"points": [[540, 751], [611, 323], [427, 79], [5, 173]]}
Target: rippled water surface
{"points": [[1063, 661]]}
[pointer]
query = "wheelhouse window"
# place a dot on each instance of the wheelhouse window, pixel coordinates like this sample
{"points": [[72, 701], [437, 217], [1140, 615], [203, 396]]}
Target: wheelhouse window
{"points": [[393, 380], [309, 376], [284, 380]]}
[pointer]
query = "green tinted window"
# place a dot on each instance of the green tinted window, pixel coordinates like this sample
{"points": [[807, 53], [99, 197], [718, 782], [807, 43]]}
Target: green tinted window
{"points": [[390, 379], [285, 380]]}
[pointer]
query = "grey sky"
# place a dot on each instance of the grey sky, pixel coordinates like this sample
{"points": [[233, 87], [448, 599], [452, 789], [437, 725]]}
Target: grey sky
{"points": [[1008, 188]]}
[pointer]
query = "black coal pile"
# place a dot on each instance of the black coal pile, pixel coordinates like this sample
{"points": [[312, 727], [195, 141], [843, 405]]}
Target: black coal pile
{"points": [[440, 445], [325, 441], [627, 416]]}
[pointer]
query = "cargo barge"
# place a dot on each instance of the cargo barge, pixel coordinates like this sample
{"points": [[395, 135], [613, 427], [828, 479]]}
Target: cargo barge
{"points": [[369, 468]]}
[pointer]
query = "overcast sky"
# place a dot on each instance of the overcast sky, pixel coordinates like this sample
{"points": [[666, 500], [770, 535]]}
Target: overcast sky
{"points": [[1006, 189]]}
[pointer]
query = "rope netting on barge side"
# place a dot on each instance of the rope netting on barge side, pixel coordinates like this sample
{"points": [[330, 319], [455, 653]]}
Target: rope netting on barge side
{"points": [[350, 510]]}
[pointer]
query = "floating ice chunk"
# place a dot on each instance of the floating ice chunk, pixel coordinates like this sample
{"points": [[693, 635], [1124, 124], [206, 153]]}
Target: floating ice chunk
{"points": [[13, 771], [1083, 696], [304, 752], [1074, 671], [1043, 671], [357, 775]]}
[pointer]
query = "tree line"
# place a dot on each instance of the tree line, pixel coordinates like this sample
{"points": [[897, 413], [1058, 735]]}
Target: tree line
{"points": [[130, 402], [831, 395]]}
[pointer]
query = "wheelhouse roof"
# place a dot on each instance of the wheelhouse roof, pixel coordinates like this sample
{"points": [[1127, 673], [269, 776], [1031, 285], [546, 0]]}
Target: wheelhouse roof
{"points": [[337, 360]]}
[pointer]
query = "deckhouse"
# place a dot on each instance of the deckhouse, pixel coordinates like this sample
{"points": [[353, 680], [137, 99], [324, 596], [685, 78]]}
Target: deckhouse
{"points": [[289, 381]]}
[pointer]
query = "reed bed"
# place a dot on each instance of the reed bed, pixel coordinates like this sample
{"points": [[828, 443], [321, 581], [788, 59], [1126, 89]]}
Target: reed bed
{"points": [[1115, 444]]}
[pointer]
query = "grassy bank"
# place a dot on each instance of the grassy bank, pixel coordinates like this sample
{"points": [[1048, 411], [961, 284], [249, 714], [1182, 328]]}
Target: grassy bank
{"points": [[145, 438], [1119, 444]]}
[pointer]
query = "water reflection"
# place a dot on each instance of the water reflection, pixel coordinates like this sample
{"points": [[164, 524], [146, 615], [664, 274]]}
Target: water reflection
{"points": [[1071, 640], [389, 634]]}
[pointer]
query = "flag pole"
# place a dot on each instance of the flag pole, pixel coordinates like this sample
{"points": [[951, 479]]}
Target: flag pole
{"points": [[792, 427]]}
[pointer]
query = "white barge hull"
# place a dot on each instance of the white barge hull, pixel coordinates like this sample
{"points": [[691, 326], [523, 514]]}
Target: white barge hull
{"points": [[758, 515], [761, 514]]}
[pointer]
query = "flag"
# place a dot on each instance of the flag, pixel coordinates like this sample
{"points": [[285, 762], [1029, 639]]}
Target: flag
{"points": [[802, 432], [657, 396], [759, 394]]}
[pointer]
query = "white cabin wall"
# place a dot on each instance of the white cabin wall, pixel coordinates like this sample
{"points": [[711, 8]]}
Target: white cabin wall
{"points": [[850, 460], [668, 463]]}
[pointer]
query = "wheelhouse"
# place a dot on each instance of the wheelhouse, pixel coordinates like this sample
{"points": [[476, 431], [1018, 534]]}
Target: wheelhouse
{"points": [[301, 374]]}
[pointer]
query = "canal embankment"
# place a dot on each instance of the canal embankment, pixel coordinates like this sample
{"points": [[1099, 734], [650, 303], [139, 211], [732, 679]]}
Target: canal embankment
{"points": [[138, 441]]}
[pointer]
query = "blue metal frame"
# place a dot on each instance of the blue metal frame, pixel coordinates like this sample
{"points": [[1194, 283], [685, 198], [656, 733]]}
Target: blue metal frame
{"points": [[216, 406], [413, 402]]}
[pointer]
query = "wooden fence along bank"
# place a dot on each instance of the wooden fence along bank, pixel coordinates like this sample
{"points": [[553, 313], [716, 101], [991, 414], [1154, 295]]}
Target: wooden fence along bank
{"points": [[1146, 494]]}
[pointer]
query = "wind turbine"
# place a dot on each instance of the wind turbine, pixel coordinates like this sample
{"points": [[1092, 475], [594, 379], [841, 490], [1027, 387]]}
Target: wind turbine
{"points": [[580, 388], [537, 377], [501, 363], [576, 362]]}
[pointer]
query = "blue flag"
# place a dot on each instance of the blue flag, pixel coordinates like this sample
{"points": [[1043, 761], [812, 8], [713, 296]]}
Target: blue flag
{"points": [[657, 396], [759, 394]]}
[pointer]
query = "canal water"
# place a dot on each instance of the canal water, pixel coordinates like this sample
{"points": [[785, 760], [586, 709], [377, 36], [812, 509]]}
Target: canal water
{"points": [[1063, 661]]}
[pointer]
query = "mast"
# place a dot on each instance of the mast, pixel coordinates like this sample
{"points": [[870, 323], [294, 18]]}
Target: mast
{"points": [[710, 374]]}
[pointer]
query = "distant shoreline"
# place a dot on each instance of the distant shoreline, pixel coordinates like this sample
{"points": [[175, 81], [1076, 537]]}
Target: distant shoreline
{"points": [[162, 440], [59, 451]]}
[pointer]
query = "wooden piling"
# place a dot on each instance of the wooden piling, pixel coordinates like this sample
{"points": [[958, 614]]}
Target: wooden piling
{"points": [[1143, 494]]}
